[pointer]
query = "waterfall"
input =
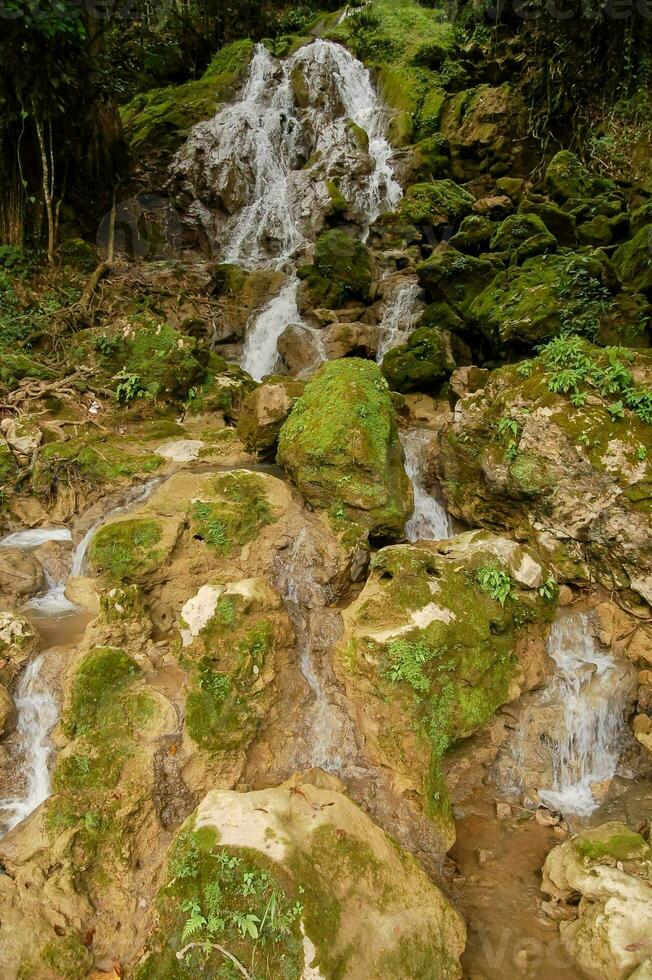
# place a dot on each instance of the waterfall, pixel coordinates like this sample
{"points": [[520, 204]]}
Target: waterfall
{"points": [[258, 170], [429, 520], [35, 537], [587, 749], [400, 313], [260, 355], [37, 714]]}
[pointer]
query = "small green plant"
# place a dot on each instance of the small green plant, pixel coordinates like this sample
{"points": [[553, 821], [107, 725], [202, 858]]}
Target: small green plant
{"points": [[129, 387], [495, 582], [106, 345], [641, 453], [548, 589], [406, 662]]}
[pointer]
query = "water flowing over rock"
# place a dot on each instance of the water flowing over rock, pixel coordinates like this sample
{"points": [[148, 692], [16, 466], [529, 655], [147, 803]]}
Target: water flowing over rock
{"points": [[430, 520], [587, 748], [261, 356], [262, 172], [37, 714], [401, 312]]}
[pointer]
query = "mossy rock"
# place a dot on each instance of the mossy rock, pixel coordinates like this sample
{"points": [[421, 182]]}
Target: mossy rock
{"points": [[436, 204], [130, 550], [158, 121], [473, 235], [431, 158], [430, 651], [546, 295], [230, 510], [613, 841], [566, 178], [454, 278], [15, 366], [633, 262], [420, 364], [340, 446], [524, 234], [93, 461], [224, 388], [337, 883], [560, 223], [342, 270]]}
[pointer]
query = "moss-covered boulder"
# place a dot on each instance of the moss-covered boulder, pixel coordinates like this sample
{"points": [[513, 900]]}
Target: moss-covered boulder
{"points": [[474, 234], [340, 446], [431, 652], [422, 362], [524, 234], [437, 204], [562, 224], [633, 262], [342, 270], [547, 295], [158, 120], [610, 867], [347, 900], [557, 449], [450, 277], [566, 178]]}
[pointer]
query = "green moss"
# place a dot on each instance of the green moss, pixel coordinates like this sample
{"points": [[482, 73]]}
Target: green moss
{"points": [[68, 958], [524, 234], [101, 675], [421, 363], [633, 261], [351, 456], [218, 888], [341, 270], [612, 840], [160, 119], [566, 178], [92, 461], [237, 518], [126, 549], [436, 203], [455, 279]]}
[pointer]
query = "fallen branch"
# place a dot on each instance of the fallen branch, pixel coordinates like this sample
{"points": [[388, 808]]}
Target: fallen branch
{"points": [[236, 962]]}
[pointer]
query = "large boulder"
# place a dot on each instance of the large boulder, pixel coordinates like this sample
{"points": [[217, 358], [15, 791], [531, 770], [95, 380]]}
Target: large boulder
{"points": [[449, 276], [432, 648], [19, 641], [566, 178], [610, 868], [525, 305], [556, 450], [633, 261], [21, 575], [264, 411], [436, 205], [340, 447], [347, 900], [342, 270]]}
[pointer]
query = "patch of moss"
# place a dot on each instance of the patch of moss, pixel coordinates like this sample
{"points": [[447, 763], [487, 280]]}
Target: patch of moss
{"points": [[159, 120], [100, 676], [96, 462], [126, 549], [237, 517], [218, 888], [341, 270], [612, 840], [436, 203], [67, 957], [421, 363]]}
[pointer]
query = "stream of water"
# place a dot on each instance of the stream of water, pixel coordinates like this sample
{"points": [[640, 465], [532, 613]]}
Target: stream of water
{"points": [[430, 520], [402, 310], [587, 749]]}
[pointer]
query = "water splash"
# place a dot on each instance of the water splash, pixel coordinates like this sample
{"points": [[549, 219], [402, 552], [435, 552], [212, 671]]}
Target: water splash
{"points": [[401, 311], [587, 749], [258, 170], [261, 355], [35, 537], [430, 520], [37, 715]]}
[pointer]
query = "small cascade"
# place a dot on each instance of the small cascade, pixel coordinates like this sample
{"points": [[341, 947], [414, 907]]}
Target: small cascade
{"points": [[304, 599], [402, 310], [260, 355], [37, 715], [35, 537], [587, 749], [430, 520], [258, 170]]}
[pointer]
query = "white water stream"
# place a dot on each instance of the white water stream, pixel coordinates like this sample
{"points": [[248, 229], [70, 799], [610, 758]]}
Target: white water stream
{"points": [[259, 170], [430, 520], [37, 714], [587, 749], [402, 310]]}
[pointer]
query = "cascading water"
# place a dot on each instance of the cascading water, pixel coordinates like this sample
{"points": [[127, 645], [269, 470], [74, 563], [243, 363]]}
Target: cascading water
{"points": [[429, 520], [260, 355], [260, 171], [401, 311], [587, 749], [37, 715]]}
